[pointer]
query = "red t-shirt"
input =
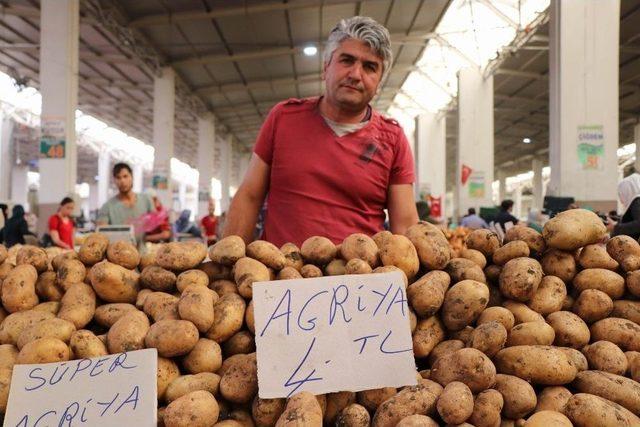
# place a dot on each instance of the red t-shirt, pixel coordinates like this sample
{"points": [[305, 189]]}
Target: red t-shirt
{"points": [[209, 224], [326, 185], [64, 228]]}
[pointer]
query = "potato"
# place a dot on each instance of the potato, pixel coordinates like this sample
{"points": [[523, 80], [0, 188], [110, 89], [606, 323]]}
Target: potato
{"points": [[196, 409], [596, 256], [239, 384], [520, 278], [582, 409], [626, 251], [19, 289], [78, 305], [483, 240], [489, 338], [463, 269], [553, 398], [114, 283], [191, 277], [228, 317], [390, 269], [249, 318], [8, 356], [158, 279], [34, 256], [302, 409], [172, 337], [573, 229], [69, 272], [336, 402], [289, 273], [519, 397], [128, 333], [548, 418], [511, 250], [622, 332], [206, 356], [357, 266], [43, 350], [215, 271], [318, 250], [248, 271], [14, 324], [51, 328], [537, 364], [560, 264], [625, 309], [576, 358], [240, 343], [167, 372], [492, 273], [186, 384], [531, 237], [3, 253], [521, 312], [85, 345], [455, 404], [571, 331], [568, 302], [400, 252], [473, 255], [51, 306], [633, 360], [549, 296], [266, 412], [531, 333], [469, 366], [381, 236], [223, 287], [429, 332], [592, 305], [181, 256], [426, 295], [417, 421], [94, 249], [353, 415], [5, 268], [431, 245], [463, 303], [607, 281], [161, 306], [606, 356], [267, 253], [5, 385], [360, 246], [309, 271], [124, 254], [623, 391], [498, 314], [633, 283], [487, 408], [106, 315], [415, 400], [228, 250], [371, 399], [196, 305], [463, 335], [292, 256]]}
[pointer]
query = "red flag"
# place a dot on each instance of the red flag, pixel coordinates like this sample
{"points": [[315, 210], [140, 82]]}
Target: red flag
{"points": [[436, 206], [466, 172]]}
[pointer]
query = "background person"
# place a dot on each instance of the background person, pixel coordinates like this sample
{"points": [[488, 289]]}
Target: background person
{"points": [[16, 228], [61, 225], [504, 214], [473, 221], [209, 223], [629, 195]]}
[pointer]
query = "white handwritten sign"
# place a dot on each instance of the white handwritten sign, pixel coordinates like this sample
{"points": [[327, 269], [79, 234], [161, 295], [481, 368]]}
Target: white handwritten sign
{"points": [[116, 390], [329, 334]]}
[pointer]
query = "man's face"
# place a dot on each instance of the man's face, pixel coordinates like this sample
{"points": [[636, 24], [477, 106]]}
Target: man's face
{"points": [[352, 75], [124, 181]]}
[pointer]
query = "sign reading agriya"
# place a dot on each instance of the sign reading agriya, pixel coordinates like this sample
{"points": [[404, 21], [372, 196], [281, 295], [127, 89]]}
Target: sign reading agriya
{"points": [[329, 334]]}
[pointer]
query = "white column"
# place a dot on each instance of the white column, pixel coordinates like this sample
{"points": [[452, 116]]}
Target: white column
{"points": [[104, 176], [59, 38], [517, 201], [225, 171], [431, 157], [583, 117], [182, 195], [20, 185], [163, 130], [502, 186], [138, 177], [636, 140], [475, 140], [6, 155], [93, 197], [538, 194], [206, 158]]}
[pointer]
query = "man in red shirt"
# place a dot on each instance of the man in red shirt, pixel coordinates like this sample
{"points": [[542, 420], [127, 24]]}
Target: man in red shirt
{"points": [[331, 164], [209, 223]]}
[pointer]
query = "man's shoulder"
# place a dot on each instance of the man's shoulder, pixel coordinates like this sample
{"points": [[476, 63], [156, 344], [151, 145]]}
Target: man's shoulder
{"points": [[292, 105]]}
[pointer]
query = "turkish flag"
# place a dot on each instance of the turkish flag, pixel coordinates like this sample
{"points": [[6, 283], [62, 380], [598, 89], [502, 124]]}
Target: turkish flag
{"points": [[436, 206], [466, 172]]}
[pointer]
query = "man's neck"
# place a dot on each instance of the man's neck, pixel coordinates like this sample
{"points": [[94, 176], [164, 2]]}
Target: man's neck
{"points": [[339, 115], [128, 196]]}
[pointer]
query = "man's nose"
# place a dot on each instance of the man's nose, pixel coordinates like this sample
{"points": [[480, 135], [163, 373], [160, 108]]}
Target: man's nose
{"points": [[355, 72]]}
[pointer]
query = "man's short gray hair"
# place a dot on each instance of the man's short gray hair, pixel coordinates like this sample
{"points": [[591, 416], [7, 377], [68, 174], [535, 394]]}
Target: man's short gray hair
{"points": [[364, 29]]}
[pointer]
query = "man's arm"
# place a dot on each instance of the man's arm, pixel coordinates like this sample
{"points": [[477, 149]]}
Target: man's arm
{"points": [[402, 208], [158, 237], [103, 215], [243, 212]]}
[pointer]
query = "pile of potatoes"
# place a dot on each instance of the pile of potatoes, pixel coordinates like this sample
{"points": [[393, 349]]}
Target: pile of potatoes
{"points": [[537, 330]]}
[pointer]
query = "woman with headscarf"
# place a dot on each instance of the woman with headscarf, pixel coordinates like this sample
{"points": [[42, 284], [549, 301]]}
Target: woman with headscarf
{"points": [[16, 228], [629, 194]]}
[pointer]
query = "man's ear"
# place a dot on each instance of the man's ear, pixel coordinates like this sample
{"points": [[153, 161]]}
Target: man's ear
{"points": [[324, 70]]}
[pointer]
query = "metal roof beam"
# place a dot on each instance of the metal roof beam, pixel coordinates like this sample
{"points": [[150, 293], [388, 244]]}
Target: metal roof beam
{"points": [[523, 74]]}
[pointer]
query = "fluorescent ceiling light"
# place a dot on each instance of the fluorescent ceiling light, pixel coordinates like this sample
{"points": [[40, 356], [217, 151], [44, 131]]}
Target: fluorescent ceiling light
{"points": [[310, 50], [526, 140]]}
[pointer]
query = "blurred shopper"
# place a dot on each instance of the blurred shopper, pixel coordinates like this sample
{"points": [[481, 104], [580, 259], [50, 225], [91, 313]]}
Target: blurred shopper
{"points": [[504, 216], [331, 164], [16, 228], [629, 194], [209, 223], [61, 225], [535, 219], [184, 225], [155, 224], [473, 220]]}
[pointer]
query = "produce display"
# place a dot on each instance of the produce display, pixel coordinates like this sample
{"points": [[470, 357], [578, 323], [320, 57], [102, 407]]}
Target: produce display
{"points": [[536, 330]]}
